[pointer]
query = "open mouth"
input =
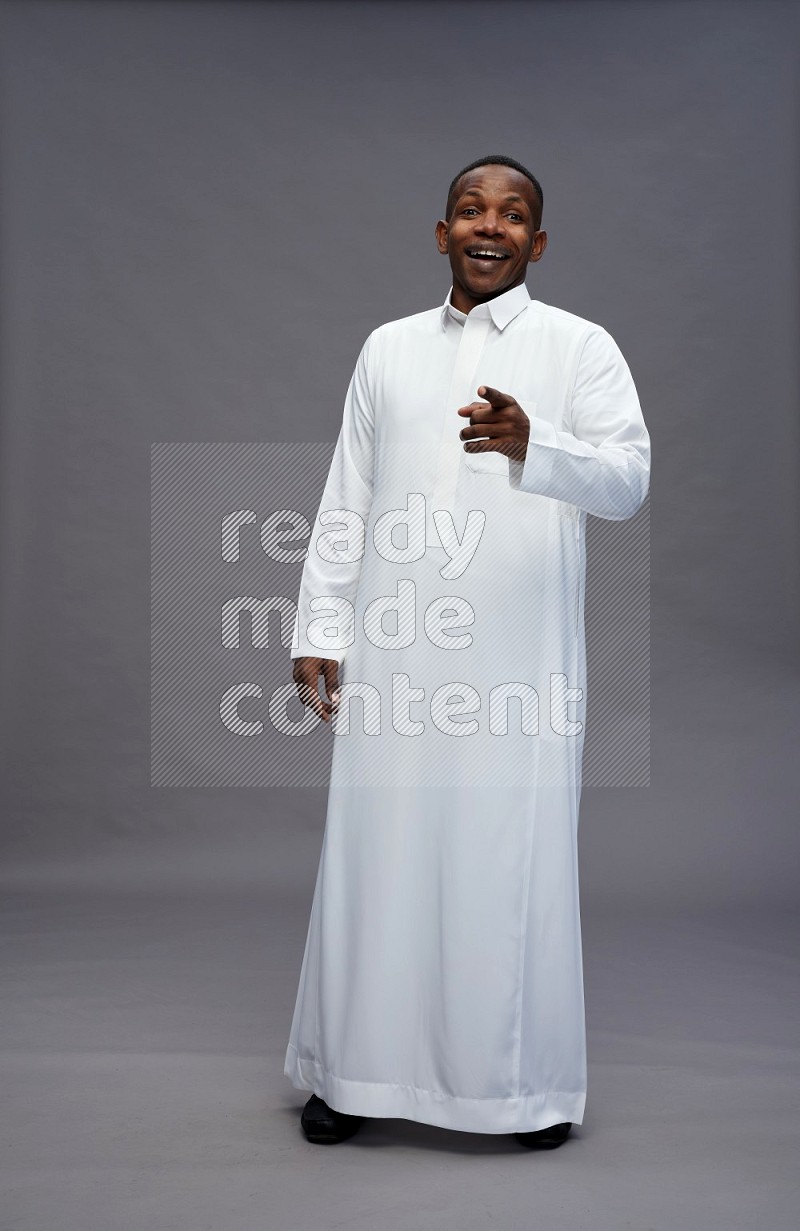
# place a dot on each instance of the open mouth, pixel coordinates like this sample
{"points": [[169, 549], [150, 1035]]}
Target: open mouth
{"points": [[486, 256]]}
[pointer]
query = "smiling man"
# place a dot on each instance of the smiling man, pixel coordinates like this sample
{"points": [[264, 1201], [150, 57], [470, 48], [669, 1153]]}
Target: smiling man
{"points": [[491, 231], [442, 976]]}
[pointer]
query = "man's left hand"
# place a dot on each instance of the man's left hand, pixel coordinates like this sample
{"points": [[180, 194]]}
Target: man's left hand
{"points": [[502, 419]]}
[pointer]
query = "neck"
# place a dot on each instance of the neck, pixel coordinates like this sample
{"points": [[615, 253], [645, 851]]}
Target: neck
{"points": [[466, 300]]}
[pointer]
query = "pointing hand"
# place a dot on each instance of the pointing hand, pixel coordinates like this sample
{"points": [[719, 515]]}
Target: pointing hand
{"points": [[501, 419]]}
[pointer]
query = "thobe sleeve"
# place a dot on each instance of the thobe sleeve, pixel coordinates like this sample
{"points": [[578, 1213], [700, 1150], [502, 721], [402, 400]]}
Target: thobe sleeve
{"points": [[335, 554], [603, 464]]}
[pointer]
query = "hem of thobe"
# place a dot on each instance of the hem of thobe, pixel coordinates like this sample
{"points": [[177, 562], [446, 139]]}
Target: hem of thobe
{"points": [[524, 1114]]}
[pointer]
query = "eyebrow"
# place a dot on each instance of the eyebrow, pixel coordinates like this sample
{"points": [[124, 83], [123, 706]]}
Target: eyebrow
{"points": [[512, 196]]}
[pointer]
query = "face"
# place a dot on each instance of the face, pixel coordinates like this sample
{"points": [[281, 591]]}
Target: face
{"points": [[491, 236]]}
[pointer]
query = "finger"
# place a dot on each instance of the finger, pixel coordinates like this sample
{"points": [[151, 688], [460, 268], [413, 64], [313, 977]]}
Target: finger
{"points": [[484, 413], [306, 678], [481, 429], [309, 695], [484, 446], [497, 399], [330, 671], [473, 407]]}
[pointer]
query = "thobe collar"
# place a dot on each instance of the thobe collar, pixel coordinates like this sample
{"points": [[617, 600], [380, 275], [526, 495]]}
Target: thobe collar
{"points": [[501, 310]]}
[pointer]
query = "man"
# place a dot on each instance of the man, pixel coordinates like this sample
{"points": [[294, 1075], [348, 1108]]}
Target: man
{"points": [[443, 591]]}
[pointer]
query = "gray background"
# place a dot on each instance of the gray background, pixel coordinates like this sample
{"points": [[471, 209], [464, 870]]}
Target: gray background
{"points": [[205, 209]]}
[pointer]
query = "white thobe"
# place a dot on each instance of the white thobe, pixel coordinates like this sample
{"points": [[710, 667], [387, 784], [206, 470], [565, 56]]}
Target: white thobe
{"points": [[442, 977]]}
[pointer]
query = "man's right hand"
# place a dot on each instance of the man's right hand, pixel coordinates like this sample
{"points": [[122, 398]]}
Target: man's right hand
{"points": [[306, 676]]}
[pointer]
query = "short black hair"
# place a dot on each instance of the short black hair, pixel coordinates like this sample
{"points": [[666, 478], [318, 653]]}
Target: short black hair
{"points": [[491, 160]]}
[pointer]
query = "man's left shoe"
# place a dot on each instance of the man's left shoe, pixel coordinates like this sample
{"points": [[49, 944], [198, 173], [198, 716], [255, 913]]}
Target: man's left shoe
{"points": [[324, 1126], [545, 1138]]}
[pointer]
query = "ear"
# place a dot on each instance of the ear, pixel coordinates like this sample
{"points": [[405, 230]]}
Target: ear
{"points": [[538, 246], [442, 232]]}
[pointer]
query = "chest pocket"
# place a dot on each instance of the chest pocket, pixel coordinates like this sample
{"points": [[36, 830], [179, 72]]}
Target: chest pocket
{"points": [[488, 463]]}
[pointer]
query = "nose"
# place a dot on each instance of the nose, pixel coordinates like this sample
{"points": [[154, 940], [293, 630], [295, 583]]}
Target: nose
{"points": [[491, 223]]}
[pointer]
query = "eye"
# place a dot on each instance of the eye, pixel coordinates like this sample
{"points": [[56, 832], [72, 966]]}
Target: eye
{"points": [[517, 217], [470, 209]]}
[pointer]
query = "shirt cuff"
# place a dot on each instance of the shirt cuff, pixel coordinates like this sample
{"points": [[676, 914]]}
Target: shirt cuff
{"points": [[301, 647], [534, 473], [312, 651]]}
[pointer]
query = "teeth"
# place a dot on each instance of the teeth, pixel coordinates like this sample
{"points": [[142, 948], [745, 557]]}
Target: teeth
{"points": [[497, 256]]}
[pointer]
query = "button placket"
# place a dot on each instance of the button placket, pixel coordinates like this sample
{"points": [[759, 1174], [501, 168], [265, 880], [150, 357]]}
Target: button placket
{"points": [[451, 455]]}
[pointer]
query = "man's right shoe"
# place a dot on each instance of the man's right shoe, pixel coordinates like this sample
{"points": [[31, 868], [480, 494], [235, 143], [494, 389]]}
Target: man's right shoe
{"points": [[324, 1126], [545, 1138]]}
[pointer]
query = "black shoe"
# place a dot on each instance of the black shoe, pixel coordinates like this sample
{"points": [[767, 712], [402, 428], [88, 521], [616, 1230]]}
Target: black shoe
{"points": [[545, 1138], [322, 1125]]}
